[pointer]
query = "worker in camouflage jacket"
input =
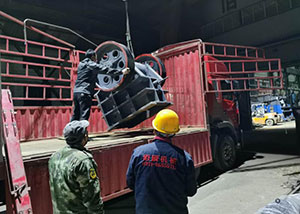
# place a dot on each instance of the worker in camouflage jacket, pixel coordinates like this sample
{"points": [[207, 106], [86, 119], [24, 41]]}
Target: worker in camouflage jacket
{"points": [[73, 177]]}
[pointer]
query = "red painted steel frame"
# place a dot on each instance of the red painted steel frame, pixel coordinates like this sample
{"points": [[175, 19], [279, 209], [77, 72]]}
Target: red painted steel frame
{"points": [[26, 52], [27, 64], [23, 74], [18, 188], [214, 74], [48, 122], [237, 51], [228, 54], [185, 83], [213, 49]]}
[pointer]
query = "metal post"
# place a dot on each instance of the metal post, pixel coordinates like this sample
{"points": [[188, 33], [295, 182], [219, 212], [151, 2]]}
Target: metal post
{"points": [[16, 177], [128, 36], [1, 128], [3, 194]]}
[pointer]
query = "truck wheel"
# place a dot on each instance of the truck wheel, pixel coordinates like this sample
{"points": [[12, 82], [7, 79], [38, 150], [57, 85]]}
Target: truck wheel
{"points": [[269, 122], [225, 153]]}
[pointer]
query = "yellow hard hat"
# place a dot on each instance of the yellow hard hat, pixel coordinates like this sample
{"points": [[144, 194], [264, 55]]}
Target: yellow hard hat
{"points": [[166, 121]]}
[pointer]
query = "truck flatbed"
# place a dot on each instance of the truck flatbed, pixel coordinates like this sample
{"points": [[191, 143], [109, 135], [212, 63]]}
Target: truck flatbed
{"points": [[33, 150], [40, 150]]}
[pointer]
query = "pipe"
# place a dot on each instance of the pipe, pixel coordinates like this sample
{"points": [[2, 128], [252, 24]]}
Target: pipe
{"points": [[35, 29], [54, 26], [128, 36]]}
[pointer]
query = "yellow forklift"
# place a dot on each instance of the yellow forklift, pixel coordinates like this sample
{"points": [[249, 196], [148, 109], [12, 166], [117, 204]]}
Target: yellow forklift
{"points": [[260, 117]]}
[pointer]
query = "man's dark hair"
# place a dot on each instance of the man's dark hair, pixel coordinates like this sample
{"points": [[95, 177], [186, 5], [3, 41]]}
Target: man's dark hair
{"points": [[90, 53]]}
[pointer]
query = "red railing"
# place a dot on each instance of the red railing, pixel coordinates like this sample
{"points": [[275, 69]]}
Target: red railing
{"points": [[54, 76], [242, 75], [44, 74], [28, 47], [229, 68], [39, 72], [27, 65], [242, 68], [236, 51]]}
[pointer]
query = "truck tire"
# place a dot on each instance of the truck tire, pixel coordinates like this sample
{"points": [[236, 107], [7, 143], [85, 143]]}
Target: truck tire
{"points": [[269, 122], [225, 156]]}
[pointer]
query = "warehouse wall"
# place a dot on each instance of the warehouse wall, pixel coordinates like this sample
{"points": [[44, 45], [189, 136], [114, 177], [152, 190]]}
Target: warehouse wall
{"points": [[251, 22]]}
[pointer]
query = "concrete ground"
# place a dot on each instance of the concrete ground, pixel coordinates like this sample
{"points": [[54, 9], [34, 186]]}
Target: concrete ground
{"points": [[244, 190], [259, 180], [267, 169], [2, 209]]}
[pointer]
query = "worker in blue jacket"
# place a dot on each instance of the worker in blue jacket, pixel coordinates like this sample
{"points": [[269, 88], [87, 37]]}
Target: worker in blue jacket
{"points": [[87, 72], [161, 174]]}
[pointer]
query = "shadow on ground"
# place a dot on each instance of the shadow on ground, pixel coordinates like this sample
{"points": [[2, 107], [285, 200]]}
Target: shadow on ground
{"points": [[275, 141], [209, 174], [123, 204]]}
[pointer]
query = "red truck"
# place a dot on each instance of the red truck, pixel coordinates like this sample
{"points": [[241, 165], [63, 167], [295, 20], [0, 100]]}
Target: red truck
{"points": [[207, 83]]}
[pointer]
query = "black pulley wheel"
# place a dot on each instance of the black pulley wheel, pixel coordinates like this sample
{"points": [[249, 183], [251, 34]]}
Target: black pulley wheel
{"points": [[155, 63], [115, 57]]}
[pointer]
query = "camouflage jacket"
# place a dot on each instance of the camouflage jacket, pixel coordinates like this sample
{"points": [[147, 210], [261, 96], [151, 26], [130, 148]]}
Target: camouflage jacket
{"points": [[74, 182]]}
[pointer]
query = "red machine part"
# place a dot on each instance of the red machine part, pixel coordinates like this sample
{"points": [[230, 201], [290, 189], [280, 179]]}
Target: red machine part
{"points": [[154, 62], [116, 57], [14, 163]]}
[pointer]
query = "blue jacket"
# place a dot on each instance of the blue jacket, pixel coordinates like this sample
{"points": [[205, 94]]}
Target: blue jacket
{"points": [[162, 176]]}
